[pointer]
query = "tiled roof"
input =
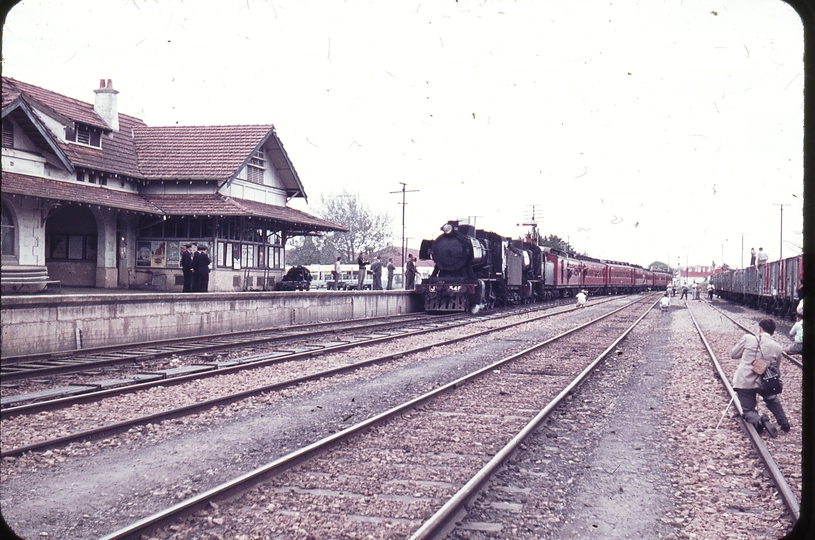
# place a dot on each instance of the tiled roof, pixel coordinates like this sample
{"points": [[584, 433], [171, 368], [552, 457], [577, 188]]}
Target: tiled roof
{"points": [[196, 152], [34, 186], [212, 204], [10, 92], [289, 215], [117, 154], [64, 105], [153, 153]]}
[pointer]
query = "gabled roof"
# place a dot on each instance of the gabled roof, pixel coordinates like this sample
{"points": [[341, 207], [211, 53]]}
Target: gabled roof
{"points": [[189, 153], [196, 152], [117, 155], [35, 129], [65, 106], [216, 153]]}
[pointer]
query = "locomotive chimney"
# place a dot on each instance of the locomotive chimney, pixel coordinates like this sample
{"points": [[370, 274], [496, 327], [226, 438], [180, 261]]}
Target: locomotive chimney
{"points": [[105, 105]]}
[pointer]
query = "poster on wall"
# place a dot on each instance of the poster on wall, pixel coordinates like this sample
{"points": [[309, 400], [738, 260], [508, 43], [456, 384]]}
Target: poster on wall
{"points": [[76, 243], [158, 255], [59, 246], [173, 254], [143, 254], [90, 248]]}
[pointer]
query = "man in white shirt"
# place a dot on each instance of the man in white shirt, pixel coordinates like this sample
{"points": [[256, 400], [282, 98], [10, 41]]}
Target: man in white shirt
{"points": [[797, 335]]}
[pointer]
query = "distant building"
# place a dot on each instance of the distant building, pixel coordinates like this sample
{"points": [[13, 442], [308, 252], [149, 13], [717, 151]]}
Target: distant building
{"points": [[695, 274], [100, 199]]}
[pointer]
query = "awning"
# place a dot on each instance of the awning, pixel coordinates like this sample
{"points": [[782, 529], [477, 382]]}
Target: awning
{"points": [[91, 194], [293, 221]]}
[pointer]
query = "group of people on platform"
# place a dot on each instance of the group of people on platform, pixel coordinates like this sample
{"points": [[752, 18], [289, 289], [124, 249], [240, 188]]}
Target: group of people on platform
{"points": [[195, 268], [376, 271]]}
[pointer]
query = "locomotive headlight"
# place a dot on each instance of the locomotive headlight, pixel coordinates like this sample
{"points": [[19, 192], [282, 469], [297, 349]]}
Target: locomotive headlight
{"points": [[446, 228]]}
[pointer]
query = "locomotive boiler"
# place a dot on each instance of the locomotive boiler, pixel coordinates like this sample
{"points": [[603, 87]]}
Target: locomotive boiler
{"points": [[468, 269]]}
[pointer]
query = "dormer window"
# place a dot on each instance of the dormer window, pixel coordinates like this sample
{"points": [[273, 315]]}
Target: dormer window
{"points": [[84, 134], [256, 167]]}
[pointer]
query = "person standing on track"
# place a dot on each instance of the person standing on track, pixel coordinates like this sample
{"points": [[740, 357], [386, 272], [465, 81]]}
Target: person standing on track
{"points": [[684, 292], [747, 383], [186, 267]]}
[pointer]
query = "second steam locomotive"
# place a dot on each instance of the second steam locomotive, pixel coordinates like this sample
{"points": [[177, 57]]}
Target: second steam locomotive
{"points": [[477, 269]]}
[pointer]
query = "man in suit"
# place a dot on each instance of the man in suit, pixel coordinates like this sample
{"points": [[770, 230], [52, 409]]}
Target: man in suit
{"points": [[200, 268], [391, 268], [410, 274], [186, 267], [376, 270]]}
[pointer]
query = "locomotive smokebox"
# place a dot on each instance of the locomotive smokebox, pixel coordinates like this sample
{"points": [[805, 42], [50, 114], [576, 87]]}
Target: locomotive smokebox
{"points": [[451, 252]]}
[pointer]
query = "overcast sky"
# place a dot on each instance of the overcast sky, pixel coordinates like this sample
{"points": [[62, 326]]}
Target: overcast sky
{"points": [[640, 131]]}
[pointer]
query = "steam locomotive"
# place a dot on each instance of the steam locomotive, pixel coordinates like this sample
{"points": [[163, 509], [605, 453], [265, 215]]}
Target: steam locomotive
{"points": [[477, 269]]}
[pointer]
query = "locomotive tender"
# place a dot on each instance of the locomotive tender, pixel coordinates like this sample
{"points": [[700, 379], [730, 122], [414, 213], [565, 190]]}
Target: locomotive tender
{"points": [[777, 289], [477, 269]]}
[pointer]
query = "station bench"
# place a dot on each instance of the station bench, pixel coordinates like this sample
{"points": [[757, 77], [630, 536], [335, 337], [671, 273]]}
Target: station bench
{"points": [[25, 280]]}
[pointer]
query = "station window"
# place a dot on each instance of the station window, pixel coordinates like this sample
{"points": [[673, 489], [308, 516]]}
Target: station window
{"points": [[74, 247], [9, 235], [259, 247]]}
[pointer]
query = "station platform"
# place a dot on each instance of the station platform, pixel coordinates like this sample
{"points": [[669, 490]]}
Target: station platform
{"points": [[72, 319]]}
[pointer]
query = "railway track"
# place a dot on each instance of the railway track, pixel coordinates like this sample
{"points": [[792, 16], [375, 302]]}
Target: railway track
{"points": [[407, 461], [39, 365], [782, 455], [506, 496], [750, 330], [303, 342], [257, 361]]}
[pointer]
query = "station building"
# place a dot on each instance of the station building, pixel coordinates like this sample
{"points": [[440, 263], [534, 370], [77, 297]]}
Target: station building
{"points": [[95, 198]]}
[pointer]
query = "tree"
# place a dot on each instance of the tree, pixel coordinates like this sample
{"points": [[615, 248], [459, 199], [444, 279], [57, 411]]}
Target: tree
{"points": [[307, 250], [367, 231], [659, 265], [556, 242]]}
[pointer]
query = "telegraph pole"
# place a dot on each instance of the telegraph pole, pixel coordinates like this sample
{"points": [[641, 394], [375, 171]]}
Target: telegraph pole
{"points": [[781, 242], [403, 191]]}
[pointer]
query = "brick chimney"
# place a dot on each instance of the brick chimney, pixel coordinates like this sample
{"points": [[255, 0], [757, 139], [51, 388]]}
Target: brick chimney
{"points": [[105, 104]]}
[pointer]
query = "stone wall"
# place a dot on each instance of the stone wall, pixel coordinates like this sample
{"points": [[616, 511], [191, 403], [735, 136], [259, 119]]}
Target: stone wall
{"points": [[66, 322]]}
